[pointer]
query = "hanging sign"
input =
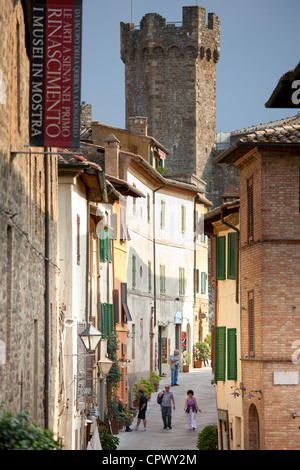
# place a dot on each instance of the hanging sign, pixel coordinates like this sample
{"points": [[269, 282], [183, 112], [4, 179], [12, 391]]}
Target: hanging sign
{"points": [[55, 73]]}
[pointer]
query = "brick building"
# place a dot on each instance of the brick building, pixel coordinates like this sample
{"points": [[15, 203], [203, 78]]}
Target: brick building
{"points": [[268, 164], [28, 237]]}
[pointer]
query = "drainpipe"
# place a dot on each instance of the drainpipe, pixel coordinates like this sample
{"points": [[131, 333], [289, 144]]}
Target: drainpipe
{"points": [[154, 251], [237, 254], [47, 289]]}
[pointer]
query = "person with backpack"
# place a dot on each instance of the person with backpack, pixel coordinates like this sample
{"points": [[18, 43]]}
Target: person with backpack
{"points": [[165, 399]]}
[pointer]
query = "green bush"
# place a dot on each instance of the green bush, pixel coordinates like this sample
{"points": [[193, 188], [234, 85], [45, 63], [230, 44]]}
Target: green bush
{"points": [[208, 438], [17, 433], [108, 441]]}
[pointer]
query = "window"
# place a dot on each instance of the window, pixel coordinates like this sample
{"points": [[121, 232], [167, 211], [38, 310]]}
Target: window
{"points": [[134, 202], [124, 234], [181, 281], [251, 323], [148, 208], [183, 219], [250, 209], [231, 354], [203, 283], [232, 255], [105, 246], [220, 258], [107, 319], [162, 214], [162, 272], [133, 271], [197, 281], [220, 352]]}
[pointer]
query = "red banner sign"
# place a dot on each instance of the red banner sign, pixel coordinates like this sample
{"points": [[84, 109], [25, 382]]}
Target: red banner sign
{"points": [[55, 77]]}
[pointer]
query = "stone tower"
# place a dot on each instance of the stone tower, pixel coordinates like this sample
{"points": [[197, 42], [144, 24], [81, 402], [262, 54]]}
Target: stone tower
{"points": [[170, 77]]}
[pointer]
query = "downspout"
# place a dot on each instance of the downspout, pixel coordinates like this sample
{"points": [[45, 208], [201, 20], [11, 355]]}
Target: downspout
{"points": [[154, 251], [47, 289], [237, 255]]}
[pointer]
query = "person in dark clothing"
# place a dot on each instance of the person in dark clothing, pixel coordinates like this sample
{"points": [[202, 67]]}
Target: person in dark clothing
{"points": [[121, 408], [142, 411]]}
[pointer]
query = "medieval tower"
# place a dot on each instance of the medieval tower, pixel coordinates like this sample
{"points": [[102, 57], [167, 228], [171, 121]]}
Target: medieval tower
{"points": [[170, 78]]}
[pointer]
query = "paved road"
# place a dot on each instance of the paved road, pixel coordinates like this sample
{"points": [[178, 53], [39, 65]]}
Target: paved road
{"points": [[179, 437]]}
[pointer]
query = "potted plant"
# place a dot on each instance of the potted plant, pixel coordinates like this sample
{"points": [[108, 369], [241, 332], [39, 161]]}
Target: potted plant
{"points": [[155, 380], [208, 438], [108, 441], [114, 416], [201, 353], [186, 360]]}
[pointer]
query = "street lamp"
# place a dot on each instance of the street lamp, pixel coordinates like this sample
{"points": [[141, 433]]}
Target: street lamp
{"points": [[105, 365], [90, 338]]}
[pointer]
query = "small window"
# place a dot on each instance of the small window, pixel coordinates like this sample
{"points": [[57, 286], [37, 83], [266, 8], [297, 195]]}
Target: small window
{"points": [[183, 219], [162, 270], [148, 208], [162, 214], [181, 281], [133, 271]]}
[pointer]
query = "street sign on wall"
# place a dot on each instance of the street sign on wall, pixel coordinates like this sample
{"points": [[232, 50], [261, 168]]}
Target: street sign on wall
{"points": [[55, 73]]}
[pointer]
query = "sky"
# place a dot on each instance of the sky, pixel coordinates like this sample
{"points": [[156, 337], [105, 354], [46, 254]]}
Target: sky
{"points": [[259, 43]]}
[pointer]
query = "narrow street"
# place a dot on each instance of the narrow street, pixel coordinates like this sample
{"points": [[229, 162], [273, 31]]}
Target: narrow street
{"points": [[179, 437]]}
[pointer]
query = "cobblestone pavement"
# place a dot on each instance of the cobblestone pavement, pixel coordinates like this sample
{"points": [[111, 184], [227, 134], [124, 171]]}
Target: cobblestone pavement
{"points": [[179, 437]]}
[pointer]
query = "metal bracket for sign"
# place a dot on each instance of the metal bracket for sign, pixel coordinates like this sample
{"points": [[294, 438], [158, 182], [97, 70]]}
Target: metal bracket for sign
{"points": [[13, 153]]}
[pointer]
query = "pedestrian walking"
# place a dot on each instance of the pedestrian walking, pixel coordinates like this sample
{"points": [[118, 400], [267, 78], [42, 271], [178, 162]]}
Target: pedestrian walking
{"points": [[166, 406], [191, 407], [174, 362], [142, 411]]}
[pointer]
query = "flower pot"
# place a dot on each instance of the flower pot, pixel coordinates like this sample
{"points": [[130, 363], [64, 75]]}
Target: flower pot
{"points": [[115, 427], [186, 368], [198, 364], [136, 403]]}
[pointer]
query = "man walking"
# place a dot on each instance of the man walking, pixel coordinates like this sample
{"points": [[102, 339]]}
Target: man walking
{"points": [[166, 406], [174, 362]]}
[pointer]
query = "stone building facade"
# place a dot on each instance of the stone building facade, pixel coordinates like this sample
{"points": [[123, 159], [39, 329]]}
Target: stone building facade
{"points": [[28, 302], [170, 77]]}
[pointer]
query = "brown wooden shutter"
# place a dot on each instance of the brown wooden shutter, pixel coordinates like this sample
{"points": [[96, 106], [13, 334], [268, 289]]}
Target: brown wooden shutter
{"points": [[251, 323], [250, 209], [213, 259], [116, 306]]}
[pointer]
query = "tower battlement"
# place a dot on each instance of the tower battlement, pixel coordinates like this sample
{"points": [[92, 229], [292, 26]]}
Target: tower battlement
{"points": [[170, 78], [194, 36]]}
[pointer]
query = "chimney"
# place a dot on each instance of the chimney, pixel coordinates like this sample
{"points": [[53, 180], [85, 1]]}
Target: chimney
{"points": [[138, 125], [112, 151]]}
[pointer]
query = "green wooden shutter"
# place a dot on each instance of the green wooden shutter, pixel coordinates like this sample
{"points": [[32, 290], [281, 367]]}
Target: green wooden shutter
{"points": [[203, 283], [231, 354], [110, 322], [232, 255], [221, 258], [220, 352]]}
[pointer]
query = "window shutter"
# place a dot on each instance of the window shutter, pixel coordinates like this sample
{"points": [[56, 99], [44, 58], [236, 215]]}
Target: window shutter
{"points": [[203, 283], [149, 277], [213, 259], [221, 258], [116, 305], [232, 255], [197, 281], [220, 352], [114, 224], [183, 219], [250, 209], [231, 354], [110, 313], [103, 246], [162, 279], [133, 271], [181, 281], [251, 323]]}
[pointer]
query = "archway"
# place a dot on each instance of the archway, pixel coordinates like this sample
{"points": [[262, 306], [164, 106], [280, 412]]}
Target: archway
{"points": [[254, 439]]}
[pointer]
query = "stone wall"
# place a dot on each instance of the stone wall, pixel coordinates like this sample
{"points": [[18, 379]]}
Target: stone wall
{"points": [[22, 237], [170, 77]]}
